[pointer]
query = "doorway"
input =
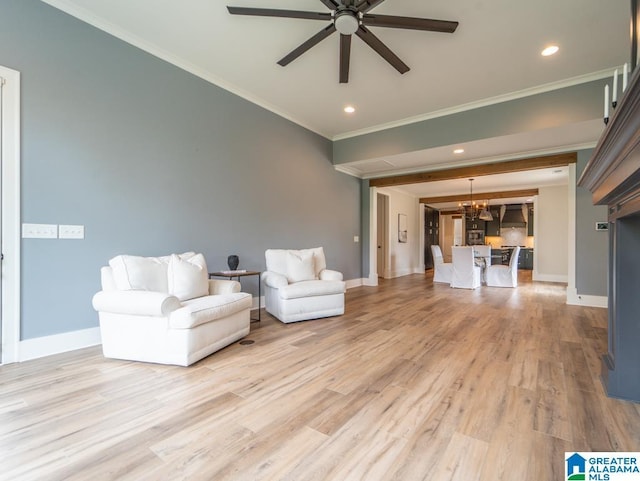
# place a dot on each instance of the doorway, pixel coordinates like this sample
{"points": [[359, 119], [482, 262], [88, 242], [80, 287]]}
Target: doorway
{"points": [[9, 214]]}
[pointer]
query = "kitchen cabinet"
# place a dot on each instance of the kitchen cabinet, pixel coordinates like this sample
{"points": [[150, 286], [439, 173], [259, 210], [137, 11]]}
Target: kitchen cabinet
{"points": [[525, 259], [529, 219], [431, 234], [475, 224]]}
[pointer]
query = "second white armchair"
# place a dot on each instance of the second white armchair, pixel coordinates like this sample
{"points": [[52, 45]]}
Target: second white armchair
{"points": [[298, 286]]}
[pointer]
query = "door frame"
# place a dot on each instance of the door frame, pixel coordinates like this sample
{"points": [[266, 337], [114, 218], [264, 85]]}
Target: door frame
{"points": [[10, 176]]}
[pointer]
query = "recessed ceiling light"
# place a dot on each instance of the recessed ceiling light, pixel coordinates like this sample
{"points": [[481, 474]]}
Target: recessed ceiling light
{"points": [[550, 50], [349, 109], [458, 151]]}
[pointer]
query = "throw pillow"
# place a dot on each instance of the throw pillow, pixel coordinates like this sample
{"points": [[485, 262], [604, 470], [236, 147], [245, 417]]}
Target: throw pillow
{"points": [[300, 266], [139, 273], [188, 278]]}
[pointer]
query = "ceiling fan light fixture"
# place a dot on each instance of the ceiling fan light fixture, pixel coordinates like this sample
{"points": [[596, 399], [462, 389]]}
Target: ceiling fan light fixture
{"points": [[346, 23]]}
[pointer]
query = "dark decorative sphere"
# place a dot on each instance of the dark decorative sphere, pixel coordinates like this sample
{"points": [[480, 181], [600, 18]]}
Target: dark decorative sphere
{"points": [[233, 262]]}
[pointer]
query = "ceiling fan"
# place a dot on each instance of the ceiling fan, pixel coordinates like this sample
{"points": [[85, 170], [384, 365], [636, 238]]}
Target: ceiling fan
{"points": [[349, 17]]}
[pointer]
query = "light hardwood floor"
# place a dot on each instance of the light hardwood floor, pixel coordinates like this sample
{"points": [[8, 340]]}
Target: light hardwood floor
{"points": [[416, 381]]}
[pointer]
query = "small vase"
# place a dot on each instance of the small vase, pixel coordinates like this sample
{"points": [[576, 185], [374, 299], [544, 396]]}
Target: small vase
{"points": [[232, 262]]}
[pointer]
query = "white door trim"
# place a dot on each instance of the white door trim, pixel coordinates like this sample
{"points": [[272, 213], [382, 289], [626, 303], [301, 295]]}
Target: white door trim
{"points": [[10, 215]]}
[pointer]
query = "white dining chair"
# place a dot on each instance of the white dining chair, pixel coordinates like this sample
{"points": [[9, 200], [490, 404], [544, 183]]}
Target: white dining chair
{"points": [[442, 270], [466, 274], [504, 276]]}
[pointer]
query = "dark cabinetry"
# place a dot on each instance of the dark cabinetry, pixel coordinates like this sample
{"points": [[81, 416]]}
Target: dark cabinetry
{"points": [[431, 234], [474, 224], [525, 259]]}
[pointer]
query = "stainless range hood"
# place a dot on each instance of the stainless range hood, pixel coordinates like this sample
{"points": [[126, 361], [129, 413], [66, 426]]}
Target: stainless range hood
{"points": [[513, 217]]}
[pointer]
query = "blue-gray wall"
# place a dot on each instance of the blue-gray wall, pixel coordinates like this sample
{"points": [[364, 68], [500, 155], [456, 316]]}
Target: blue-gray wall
{"points": [[592, 247], [153, 160]]}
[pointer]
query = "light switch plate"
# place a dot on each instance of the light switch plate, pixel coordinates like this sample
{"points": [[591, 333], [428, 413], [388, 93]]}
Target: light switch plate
{"points": [[356, 238], [71, 231], [39, 231]]}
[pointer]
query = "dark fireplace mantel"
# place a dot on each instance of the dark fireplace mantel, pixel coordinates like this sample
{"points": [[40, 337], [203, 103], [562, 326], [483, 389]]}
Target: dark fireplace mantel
{"points": [[613, 177]]}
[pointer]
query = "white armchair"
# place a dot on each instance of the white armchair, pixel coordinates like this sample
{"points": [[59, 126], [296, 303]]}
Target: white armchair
{"points": [[442, 270], [166, 310], [466, 274], [504, 276], [298, 286]]}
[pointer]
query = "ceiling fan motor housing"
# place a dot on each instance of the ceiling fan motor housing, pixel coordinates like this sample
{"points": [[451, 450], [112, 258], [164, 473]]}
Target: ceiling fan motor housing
{"points": [[346, 22]]}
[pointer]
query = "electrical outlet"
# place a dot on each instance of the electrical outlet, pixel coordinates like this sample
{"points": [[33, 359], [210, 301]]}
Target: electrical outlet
{"points": [[71, 231], [39, 231]]}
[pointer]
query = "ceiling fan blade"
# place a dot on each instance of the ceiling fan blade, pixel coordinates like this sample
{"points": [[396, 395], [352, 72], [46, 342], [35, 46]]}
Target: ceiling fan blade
{"points": [[330, 4], [345, 56], [376, 44], [271, 12], [317, 38], [411, 23], [365, 5]]}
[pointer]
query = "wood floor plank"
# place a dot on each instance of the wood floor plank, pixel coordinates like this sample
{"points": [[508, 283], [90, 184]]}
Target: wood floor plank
{"points": [[416, 381]]}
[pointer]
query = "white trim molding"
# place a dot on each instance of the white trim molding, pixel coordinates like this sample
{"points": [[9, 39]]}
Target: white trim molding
{"points": [[10, 214], [550, 278], [575, 299], [59, 343]]}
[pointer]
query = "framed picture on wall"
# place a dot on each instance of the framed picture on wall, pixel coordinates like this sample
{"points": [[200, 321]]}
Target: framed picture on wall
{"points": [[402, 228]]}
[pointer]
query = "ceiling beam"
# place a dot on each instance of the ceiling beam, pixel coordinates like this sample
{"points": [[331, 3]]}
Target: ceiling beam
{"points": [[533, 163], [505, 194]]}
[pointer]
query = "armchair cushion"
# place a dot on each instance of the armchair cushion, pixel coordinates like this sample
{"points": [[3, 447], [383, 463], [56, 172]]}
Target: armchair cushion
{"points": [[311, 289], [300, 266], [187, 278], [205, 309]]}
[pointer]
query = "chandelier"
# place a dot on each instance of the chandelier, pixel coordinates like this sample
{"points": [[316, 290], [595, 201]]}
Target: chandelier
{"points": [[473, 210]]}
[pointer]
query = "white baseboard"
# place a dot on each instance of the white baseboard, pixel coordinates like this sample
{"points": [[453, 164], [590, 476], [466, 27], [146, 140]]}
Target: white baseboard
{"points": [[370, 281], [549, 277], [58, 343], [575, 299], [401, 273], [351, 283]]}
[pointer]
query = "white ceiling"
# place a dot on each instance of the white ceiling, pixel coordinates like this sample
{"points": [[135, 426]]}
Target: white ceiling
{"points": [[494, 52]]}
